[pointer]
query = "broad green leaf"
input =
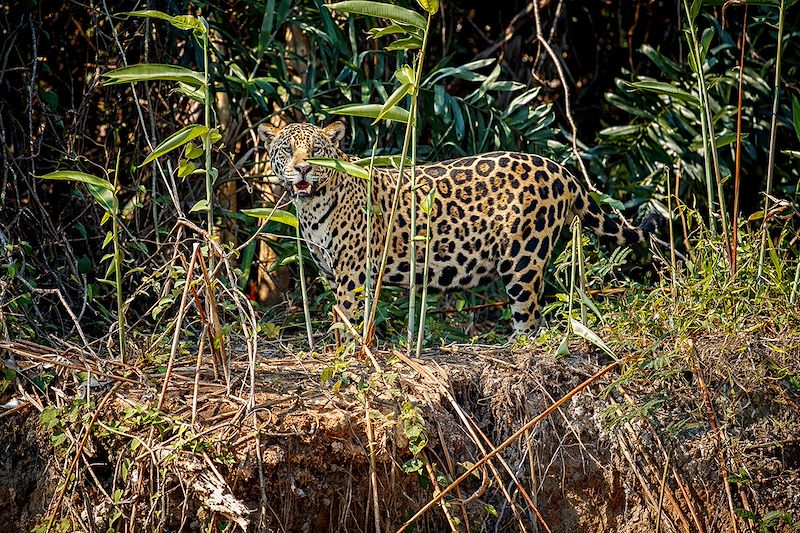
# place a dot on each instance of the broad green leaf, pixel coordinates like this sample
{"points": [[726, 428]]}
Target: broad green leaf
{"points": [[398, 114], [72, 175], [427, 203], [563, 347], [200, 205], [705, 42], [668, 90], [176, 140], [393, 100], [155, 72], [105, 197], [391, 29], [465, 72], [406, 43], [431, 6], [582, 331], [621, 131], [695, 9], [192, 151], [379, 9], [182, 22], [197, 94], [405, 75], [796, 115], [382, 161], [274, 215], [341, 166], [185, 168]]}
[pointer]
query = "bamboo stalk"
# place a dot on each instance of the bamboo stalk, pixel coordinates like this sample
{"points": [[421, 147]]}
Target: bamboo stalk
{"points": [[738, 160]]}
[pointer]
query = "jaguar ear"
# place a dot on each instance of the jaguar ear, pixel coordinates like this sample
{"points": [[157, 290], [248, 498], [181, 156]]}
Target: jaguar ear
{"points": [[267, 133], [335, 132]]}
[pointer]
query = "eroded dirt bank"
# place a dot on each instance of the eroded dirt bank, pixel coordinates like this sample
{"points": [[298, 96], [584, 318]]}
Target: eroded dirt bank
{"points": [[297, 458]]}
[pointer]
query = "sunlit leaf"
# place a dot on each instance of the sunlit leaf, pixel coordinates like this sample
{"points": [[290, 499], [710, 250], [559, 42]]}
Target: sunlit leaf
{"points": [[176, 140], [72, 175], [341, 166], [106, 198], [380, 10], [393, 100], [273, 215], [200, 205], [431, 6], [796, 115], [398, 114], [582, 331], [154, 72], [182, 22]]}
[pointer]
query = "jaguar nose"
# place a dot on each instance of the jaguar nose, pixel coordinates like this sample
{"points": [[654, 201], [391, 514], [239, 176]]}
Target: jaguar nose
{"points": [[302, 168]]}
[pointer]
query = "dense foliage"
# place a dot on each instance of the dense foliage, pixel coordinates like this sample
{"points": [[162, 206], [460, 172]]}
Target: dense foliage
{"points": [[488, 84]]}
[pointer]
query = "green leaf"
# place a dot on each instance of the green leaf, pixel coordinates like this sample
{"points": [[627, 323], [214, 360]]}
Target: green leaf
{"points": [[391, 29], [431, 6], [104, 197], [705, 42], [427, 203], [382, 161], [393, 100], [582, 331], [155, 72], [341, 166], [398, 114], [379, 9], [72, 175], [695, 9], [621, 131], [274, 215], [185, 168], [182, 22], [405, 75], [200, 205], [796, 115], [177, 139], [667, 90], [109, 237], [791, 153], [411, 42], [192, 151]]}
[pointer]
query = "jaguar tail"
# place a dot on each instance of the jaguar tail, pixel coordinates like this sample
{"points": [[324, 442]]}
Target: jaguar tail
{"points": [[604, 226]]}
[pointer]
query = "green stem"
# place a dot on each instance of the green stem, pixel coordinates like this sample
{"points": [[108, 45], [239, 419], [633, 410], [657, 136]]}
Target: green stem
{"points": [[705, 123], [412, 284], [396, 197], [207, 143], [118, 269], [306, 311], [773, 131], [423, 303], [368, 281]]}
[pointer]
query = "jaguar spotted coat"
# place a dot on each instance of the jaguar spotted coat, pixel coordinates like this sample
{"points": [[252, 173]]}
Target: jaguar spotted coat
{"points": [[494, 215]]}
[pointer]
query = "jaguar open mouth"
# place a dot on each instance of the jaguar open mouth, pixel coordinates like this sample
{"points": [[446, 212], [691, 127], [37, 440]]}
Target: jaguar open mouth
{"points": [[302, 188]]}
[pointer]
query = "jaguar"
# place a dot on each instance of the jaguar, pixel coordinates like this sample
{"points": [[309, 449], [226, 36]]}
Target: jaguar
{"points": [[493, 215]]}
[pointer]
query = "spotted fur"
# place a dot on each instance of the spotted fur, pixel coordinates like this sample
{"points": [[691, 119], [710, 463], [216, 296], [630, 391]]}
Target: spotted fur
{"points": [[495, 215]]}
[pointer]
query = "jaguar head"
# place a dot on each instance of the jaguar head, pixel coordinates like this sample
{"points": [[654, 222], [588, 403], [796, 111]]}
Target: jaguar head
{"points": [[291, 146]]}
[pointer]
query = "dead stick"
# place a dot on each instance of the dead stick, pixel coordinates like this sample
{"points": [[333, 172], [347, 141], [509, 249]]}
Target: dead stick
{"points": [[355, 334], [373, 471], [509, 441], [178, 321]]}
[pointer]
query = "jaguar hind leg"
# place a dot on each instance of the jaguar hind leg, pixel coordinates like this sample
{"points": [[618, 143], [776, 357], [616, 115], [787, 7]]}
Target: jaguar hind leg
{"points": [[523, 277]]}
